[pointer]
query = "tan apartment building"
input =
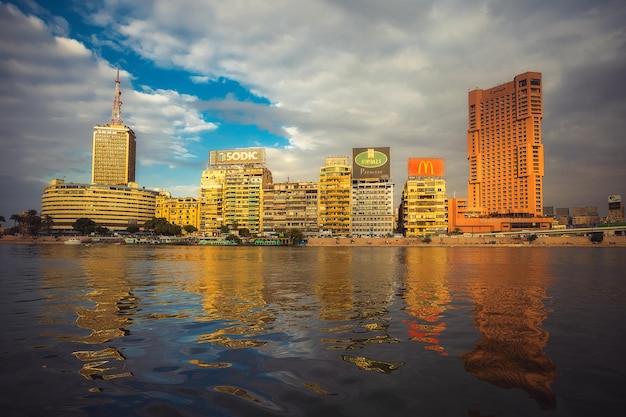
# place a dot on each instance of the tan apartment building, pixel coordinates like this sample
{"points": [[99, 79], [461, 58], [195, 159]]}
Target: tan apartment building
{"points": [[231, 191], [371, 198], [290, 205], [182, 212], [424, 207], [333, 198]]}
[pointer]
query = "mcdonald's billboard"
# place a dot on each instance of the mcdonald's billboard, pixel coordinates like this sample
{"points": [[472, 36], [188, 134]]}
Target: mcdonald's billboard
{"points": [[371, 163], [425, 167]]}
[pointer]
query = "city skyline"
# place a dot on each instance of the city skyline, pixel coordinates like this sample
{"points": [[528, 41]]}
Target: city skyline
{"points": [[304, 87]]}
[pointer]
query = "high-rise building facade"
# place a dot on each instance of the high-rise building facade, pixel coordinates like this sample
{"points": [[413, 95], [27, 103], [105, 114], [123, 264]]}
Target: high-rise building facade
{"points": [[504, 148], [424, 208], [371, 205], [290, 205], [231, 191], [114, 148], [333, 197]]}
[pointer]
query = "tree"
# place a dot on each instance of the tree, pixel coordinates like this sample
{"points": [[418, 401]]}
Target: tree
{"points": [[532, 238], [84, 226], [133, 228], [161, 227], [30, 222], [2, 219], [244, 232], [47, 223], [233, 238], [597, 237], [296, 236], [189, 228]]}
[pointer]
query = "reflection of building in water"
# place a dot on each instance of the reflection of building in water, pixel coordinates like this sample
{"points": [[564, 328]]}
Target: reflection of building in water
{"points": [[107, 319], [509, 310], [233, 291], [427, 295], [333, 286], [354, 298]]}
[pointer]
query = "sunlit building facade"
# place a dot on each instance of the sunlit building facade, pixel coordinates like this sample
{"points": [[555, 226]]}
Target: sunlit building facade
{"points": [[115, 207], [334, 190], [114, 148], [290, 205], [504, 148], [371, 194], [182, 212], [231, 191], [424, 203]]}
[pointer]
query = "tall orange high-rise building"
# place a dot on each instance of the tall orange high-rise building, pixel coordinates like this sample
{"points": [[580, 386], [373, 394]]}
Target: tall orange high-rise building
{"points": [[504, 148]]}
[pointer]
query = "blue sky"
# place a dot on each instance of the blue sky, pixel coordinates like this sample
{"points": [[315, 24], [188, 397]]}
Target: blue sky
{"points": [[305, 80]]}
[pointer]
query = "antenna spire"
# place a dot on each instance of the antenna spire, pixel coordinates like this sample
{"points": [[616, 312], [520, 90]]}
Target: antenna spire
{"points": [[116, 113]]}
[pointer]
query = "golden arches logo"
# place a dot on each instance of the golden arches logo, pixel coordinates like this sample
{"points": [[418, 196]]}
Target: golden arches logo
{"points": [[425, 165]]}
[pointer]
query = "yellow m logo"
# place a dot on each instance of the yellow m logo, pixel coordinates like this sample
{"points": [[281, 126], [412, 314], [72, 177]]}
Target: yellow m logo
{"points": [[425, 165]]}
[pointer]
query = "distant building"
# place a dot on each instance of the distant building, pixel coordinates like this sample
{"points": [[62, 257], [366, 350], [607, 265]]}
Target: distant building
{"points": [[290, 205], [371, 195], [182, 212], [616, 209], [114, 148], [231, 191], [333, 198], [584, 216], [115, 207], [424, 206]]}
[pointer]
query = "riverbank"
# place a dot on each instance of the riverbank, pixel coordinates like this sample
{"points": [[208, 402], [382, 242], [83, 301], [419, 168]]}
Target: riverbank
{"points": [[611, 241], [572, 241]]}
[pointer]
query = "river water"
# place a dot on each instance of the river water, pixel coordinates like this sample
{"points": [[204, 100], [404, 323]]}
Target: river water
{"points": [[107, 330]]}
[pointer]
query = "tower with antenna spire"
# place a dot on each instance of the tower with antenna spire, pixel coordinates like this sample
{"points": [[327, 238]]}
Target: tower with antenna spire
{"points": [[116, 113], [114, 147]]}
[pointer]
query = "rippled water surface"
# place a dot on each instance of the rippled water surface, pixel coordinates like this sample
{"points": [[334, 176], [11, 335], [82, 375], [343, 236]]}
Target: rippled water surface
{"points": [[107, 330]]}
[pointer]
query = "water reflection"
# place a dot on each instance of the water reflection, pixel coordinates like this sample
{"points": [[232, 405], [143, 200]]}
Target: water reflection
{"points": [[104, 308], [509, 311], [426, 295]]}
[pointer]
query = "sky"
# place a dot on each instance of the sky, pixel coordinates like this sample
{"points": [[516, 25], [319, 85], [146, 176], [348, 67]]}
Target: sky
{"points": [[304, 79]]}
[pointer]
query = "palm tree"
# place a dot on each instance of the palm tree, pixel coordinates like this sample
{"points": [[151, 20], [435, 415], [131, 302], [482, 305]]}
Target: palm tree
{"points": [[47, 222], [16, 219]]}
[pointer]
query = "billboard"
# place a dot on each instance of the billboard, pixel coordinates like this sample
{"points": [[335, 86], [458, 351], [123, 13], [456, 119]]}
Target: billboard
{"points": [[425, 167], [237, 156], [371, 163], [615, 202]]}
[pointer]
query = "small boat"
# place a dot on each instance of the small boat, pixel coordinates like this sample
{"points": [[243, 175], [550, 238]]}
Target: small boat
{"points": [[73, 241]]}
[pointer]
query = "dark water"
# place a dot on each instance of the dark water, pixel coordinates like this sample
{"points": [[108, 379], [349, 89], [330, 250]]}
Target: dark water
{"points": [[372, 331]]}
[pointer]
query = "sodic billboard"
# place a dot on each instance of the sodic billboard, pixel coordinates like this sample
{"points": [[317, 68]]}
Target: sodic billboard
{"points": [[237, 156]]}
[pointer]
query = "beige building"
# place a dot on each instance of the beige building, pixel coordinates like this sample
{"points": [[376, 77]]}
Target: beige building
{"points": [[372, 207], [504, 148], [182, 212], [424, 207], [371, 198], [290, 205], [334, 187], [115, 207], [231, 191], [114, 148]]}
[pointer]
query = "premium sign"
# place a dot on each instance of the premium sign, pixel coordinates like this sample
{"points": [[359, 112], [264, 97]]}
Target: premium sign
{"points": [[425, 167], [370, 163], [237, 156]]}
